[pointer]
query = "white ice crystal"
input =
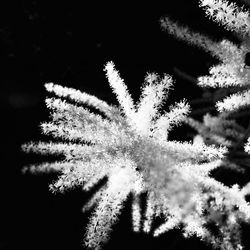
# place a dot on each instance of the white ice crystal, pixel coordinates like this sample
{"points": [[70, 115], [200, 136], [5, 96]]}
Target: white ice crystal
{"points": [[231, 72], [247, 146], [227, 14]]}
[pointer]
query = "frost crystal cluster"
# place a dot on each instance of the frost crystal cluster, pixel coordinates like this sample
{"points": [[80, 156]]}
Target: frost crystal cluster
{"points": [[128, 144], [232, 73]]}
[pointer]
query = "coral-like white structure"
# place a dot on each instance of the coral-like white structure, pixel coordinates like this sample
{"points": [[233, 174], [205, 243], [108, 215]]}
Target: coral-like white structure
{"points": [[231, 71], [129, 145]]}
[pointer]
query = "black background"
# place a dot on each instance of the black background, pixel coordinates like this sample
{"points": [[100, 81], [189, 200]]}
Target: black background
{"points": [[68, 43]]}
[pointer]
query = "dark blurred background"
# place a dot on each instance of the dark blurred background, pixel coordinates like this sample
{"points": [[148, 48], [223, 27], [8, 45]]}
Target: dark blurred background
{"points": [[68, 43]]}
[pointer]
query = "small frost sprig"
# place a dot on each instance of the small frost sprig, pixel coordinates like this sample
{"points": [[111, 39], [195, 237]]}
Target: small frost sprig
{"points": [[229, 15], [247, 146]]}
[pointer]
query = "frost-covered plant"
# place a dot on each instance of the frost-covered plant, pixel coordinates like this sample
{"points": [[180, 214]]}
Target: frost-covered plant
{"points": [[129, 144], [232, 75], [231, 71]]}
